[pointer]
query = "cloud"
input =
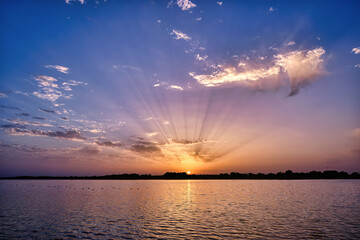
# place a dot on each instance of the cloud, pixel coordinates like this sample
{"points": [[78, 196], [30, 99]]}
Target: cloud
{"points": [[89, 150], [24, 122], [66, 85], [175, 87], [182, 141], [302, 68], [145, 149], [59, 68], [171, 87], [357, 65], [49, 111], [231, 75], [185, 4], [220, 3], [180, 35], [356, 50], [201, 58], [39, 118], [9, 107], [109, 144], [3, 95], [80, 1], [291, 43], [68, 134], [48, 88], [151, 134], [127, 67], [271, 9], [12, 126]]}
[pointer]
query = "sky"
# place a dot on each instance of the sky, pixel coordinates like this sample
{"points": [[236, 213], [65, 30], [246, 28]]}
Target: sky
{"points": [[106, 87]]}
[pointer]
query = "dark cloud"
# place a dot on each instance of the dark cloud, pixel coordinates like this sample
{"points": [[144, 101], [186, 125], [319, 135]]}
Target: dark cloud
{"points": [[48, 111], [23, 114], [39, 118], [181, 141], [65, 118], [68, 134], [12, 126], [9, 107], [109, 144], [145, 149], [89, 150]]}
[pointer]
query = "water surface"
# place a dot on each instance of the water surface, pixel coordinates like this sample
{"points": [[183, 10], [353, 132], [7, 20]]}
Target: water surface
{"points": [[178, 209]]}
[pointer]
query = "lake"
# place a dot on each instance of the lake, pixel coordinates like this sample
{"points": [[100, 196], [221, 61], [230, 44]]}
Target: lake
{"points": [[180, 209]]}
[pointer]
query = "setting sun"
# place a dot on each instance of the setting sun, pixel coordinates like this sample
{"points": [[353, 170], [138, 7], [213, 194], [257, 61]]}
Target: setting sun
{"points": [[188, 172]]}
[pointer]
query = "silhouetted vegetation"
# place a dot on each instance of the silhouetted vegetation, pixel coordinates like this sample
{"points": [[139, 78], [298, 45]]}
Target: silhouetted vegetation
{"points": [[233, 175]]}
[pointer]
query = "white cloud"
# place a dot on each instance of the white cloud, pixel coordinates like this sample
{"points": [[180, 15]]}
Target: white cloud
{"points": [[201, 58], [175, 87], [48, 88], [198, 19], [151, 134], [357, 65], [59, 68], [302, 67], [291, 43], [3, 95], [185, 4], [356, 50], [231, 74], [166, 122], [80, 1], [271, 9], [180, 35], [220, 3]]}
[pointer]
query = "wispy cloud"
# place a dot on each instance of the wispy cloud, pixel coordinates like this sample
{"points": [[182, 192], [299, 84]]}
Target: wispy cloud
{"points": [[220, 3], [302, 67], [185, 4], [66, 85], [68, 134], [109, 144], [231, 75], [291, 43], [49, 111], [126, 67], [165, 84], [3, 95], [175, 87], [25, 123], [180, 35], [151, 134], [70, 1], [59, 68], [356, 50]]}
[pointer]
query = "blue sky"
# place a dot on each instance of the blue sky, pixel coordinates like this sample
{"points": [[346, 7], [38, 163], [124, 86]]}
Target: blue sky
{"points": [[98, 87]]}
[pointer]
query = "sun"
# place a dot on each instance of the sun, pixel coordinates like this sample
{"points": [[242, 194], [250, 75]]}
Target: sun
{"points": [[188, 172]]}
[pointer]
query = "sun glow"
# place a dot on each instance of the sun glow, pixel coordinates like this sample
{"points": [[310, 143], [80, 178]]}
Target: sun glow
{"points": [[188, 172]]}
